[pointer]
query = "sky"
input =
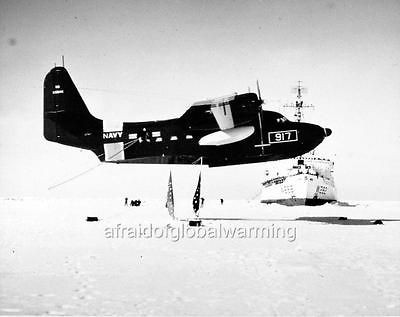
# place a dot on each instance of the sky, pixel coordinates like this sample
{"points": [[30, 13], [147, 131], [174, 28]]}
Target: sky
{"points": [[148, 60]]}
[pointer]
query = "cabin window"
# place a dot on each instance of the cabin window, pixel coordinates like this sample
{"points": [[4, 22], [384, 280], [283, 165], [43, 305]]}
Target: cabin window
{"points": [[159, 140], [155, 134], [174, 138], [189, 136], [132, 136]]}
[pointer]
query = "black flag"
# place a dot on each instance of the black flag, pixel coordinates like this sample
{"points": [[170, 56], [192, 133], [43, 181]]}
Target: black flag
{"points": [[170, 197], [196, 198]]}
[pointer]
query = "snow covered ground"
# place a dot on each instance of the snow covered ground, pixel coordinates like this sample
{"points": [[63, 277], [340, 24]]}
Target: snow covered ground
{"points": [[54, 262]]}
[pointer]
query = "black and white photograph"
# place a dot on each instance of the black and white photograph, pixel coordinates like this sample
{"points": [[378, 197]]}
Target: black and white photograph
{"points": [[199, 158]]}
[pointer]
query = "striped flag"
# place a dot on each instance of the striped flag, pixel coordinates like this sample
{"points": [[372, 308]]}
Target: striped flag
{"points": [[196, 198], [170, 197]]}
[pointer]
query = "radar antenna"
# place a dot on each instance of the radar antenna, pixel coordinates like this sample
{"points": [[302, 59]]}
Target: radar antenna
{"points": [[299, 105]]}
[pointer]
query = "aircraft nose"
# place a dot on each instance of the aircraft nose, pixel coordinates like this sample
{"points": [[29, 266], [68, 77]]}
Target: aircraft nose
{"points": [[312, 135], [328, 131]]}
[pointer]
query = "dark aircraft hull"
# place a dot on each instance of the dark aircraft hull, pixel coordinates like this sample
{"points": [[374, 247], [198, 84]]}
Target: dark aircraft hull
{"points": [[257, 135]]}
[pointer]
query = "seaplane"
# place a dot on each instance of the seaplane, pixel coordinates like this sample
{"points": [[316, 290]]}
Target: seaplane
{"points": [[222, 131]]}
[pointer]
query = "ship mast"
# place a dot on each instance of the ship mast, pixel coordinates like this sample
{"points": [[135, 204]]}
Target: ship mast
{"points": [[299, 105]]}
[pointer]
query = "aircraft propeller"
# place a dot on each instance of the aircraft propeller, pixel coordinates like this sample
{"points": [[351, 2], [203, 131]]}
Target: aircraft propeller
{"points": [[259, 92], [260, 116]]}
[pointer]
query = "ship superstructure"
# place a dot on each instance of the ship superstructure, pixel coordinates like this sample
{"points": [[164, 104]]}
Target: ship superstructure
{"points": [[306, 180]]}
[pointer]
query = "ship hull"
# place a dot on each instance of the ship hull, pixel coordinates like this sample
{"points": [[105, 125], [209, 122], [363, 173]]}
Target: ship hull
{"points": [[301, 189]]}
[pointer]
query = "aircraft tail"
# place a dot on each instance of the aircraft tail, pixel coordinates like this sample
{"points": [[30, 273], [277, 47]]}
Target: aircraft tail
{"points": [[67, 120]]}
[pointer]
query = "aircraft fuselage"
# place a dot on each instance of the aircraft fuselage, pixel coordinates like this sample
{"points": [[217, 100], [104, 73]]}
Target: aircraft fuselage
{"points": [[225, 131], [172, 142]]}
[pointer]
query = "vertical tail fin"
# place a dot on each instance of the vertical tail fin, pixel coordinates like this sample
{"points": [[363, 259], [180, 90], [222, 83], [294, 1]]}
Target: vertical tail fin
{"points": [[66, 117]]}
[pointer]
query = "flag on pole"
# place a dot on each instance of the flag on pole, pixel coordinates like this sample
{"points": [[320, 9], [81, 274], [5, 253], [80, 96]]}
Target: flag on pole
{"points": [[170, 197], [196, 198]]}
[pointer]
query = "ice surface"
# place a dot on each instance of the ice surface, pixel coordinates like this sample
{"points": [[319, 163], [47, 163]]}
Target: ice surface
{"points": [[54, 262]]}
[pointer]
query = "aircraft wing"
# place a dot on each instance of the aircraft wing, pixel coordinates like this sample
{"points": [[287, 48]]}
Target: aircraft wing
{"points": [[222, 113]]}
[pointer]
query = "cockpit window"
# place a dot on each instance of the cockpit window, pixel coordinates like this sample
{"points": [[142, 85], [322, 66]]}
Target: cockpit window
{"points": [[281, 119], [271, 117]]}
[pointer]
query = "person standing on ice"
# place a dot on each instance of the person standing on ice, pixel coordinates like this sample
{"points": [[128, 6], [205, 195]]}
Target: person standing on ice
{"points": [[126, 201]]}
